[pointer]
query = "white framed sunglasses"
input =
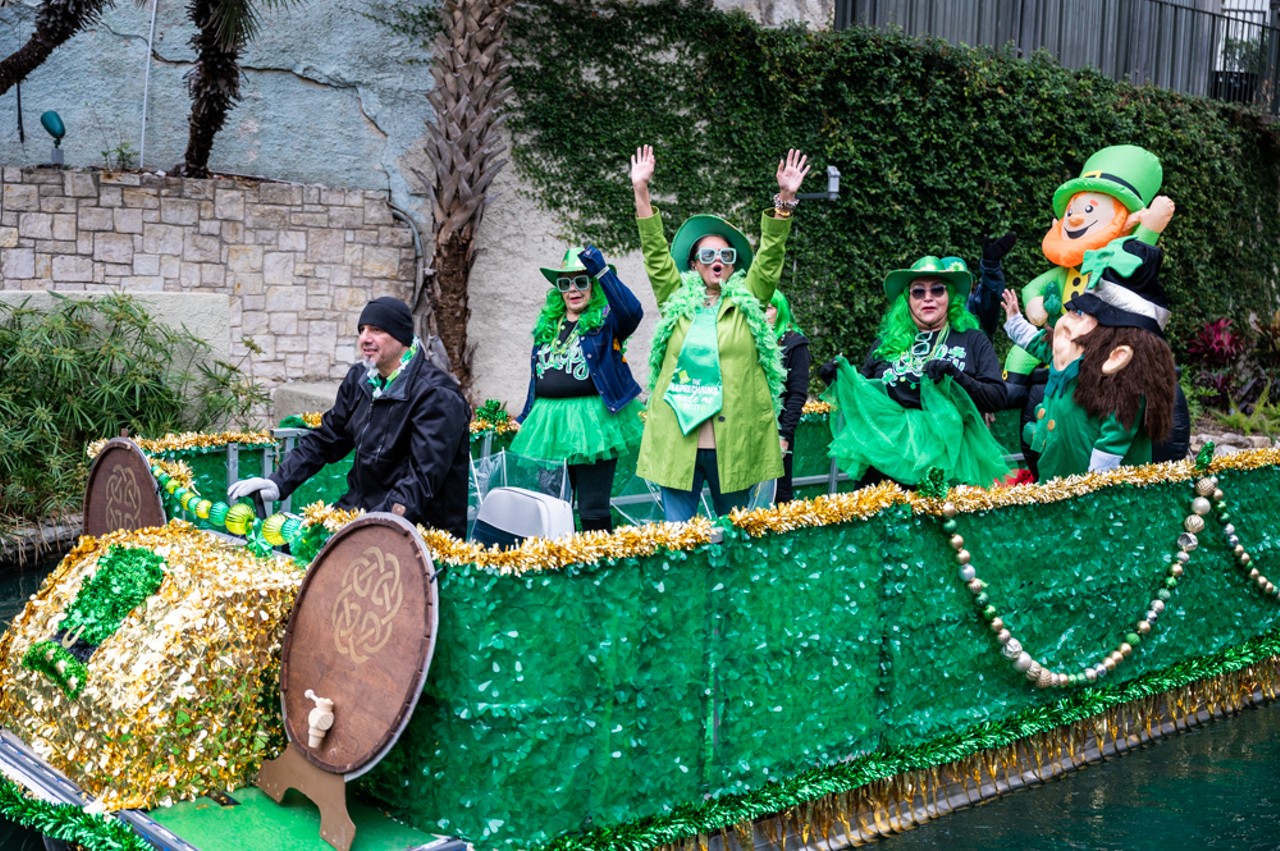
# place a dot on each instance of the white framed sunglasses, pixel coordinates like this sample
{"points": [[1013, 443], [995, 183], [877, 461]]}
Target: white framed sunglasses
{"points": [[709, 255], [577, 282]]}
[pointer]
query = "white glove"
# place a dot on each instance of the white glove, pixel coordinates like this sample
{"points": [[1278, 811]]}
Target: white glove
{"points": [[267, 489]]}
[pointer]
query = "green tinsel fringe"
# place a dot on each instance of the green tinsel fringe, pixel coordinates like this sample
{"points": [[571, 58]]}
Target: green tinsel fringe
{"points": [[690, 820], [125, 577], [68, 822], [43, 658]]}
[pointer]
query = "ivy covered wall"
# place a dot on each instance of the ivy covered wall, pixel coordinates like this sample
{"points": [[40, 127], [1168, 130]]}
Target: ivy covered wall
{"points": [[936, 145]]}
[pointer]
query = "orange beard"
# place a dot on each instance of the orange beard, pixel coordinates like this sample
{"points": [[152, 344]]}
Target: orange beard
{"points": [[1070, 252]]}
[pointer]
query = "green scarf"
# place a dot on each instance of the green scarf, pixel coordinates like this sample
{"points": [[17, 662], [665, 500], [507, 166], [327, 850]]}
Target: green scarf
{"points": [[684, 303]]}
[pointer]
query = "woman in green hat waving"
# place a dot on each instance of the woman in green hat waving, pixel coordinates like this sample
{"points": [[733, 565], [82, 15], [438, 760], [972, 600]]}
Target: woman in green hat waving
{"points": [[582, 408], [715, 369], [918, 400]]}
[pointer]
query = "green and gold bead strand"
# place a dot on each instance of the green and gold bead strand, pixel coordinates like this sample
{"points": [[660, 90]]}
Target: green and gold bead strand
{"points": [[1012, 649], [1209, 490]]}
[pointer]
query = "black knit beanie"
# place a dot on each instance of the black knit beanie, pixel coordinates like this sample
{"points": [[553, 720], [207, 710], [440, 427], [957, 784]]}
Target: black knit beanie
{"points": [[391, 315]]}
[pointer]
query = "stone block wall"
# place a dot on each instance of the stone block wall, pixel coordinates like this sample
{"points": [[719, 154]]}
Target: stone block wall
{"points": [[297, 262]]}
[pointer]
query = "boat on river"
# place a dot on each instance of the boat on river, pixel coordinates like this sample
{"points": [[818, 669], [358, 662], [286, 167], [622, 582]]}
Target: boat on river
{"points": [[817, 673]]}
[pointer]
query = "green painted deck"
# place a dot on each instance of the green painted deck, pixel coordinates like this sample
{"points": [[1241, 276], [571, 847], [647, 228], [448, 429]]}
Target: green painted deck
{"points": [[293, 825]]}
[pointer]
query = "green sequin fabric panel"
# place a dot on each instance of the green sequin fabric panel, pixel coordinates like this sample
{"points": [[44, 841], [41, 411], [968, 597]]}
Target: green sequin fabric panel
{"points": [[605, 694]]}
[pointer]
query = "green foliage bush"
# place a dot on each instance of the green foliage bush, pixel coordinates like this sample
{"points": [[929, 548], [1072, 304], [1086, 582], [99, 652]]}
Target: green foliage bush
{"points": [[83, 370], [937, 146]]}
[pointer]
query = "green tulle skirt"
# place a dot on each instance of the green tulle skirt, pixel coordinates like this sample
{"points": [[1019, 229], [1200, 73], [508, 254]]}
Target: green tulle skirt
{"points": [[946, 432], [577, 431]]}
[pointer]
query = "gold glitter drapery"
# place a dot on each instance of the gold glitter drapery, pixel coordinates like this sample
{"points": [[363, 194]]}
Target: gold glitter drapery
{"points": [[174, 704]]}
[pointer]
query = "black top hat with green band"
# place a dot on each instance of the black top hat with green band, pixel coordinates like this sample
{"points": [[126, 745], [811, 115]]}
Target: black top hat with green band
{"points": [[696, 227], [1127, 173], [953, 271], [570, 265]]}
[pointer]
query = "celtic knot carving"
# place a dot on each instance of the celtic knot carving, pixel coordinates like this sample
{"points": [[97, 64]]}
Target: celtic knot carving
{"points": [[367, 605], [123, 499]]}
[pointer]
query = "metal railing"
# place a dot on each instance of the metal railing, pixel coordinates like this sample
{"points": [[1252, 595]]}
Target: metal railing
{"points": [[1231, 57]]}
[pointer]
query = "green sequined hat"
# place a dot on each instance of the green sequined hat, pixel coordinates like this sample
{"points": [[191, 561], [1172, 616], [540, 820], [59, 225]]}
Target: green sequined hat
{"points": [[570, 265], [951, 269]]}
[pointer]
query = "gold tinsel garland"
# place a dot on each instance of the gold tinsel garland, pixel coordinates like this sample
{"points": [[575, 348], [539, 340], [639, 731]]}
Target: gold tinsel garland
{"points": [[815, 407], [321, 514], [860, 504], [173, 704], [190, 440], [536, 554], [479, 426]]}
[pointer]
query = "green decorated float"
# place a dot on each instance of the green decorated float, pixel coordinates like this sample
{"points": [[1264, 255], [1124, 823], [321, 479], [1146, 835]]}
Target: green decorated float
{"points": [[824, 671]]}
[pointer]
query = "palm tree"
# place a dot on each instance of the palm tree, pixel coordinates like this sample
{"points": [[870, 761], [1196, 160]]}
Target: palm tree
{"points": [[56, 22], [469, 71], [223, 29]]}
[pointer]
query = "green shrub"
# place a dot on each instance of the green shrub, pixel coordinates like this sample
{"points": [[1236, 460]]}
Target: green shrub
{"points": [[937, 146], [85, 369]]}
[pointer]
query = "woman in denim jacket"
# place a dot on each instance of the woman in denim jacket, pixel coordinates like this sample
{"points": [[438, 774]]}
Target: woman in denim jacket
{"points": [[582, 408]]}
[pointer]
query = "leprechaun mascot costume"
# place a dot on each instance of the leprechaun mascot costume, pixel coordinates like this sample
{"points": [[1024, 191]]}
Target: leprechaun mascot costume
{"points": [[1110, 392], [1115, 197]]}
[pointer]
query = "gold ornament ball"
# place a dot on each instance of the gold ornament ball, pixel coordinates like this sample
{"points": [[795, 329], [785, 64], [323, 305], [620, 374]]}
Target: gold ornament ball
{"points": [[957, 542], [949, 510], [1194, 523], [962, 557], [1206, 486]]}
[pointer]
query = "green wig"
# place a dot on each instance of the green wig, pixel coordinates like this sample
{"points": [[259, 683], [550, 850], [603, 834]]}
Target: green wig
{"points": [[785, 321], [898, 330], [548, 325]]}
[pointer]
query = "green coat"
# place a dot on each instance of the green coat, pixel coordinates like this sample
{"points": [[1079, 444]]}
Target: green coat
{"points": [[747, 450]]}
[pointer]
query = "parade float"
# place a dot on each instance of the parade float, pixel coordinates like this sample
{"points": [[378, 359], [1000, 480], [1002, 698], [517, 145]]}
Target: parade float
{"points": [[825, 671]]}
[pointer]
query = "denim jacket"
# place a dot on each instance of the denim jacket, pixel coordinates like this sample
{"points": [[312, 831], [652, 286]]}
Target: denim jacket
{"points": [[603, 348]]}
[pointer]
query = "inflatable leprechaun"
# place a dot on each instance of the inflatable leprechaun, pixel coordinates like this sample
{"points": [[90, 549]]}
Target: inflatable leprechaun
{"points": [[1112, 383], [1114, 197]]}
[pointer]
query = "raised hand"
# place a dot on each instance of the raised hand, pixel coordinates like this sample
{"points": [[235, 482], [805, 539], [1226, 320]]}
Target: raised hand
{"points": [[642, 165], [1155, 216], [592, 260], [791, 172], [1010, 302]]}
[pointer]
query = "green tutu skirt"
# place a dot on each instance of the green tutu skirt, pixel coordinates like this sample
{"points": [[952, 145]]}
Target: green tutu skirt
{"points": [[579, 430], [947, 432]]}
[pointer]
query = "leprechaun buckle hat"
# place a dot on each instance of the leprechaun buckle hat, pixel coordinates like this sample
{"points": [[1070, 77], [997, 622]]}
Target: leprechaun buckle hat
{"points": [[570, 265], [1129, 293], [1130, 174], [696, 227], [953, 270]]}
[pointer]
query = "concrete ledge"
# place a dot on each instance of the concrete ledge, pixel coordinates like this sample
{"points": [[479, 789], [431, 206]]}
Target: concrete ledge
{"points": [[206, 315], [302, 398]]}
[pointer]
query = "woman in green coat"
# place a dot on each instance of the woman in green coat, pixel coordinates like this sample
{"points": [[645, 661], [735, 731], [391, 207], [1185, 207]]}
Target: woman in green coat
{"points": [[715, 371]]}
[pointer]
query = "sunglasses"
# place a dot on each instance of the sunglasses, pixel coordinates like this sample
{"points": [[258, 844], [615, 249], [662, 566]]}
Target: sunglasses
{"points": [[709, 255], [577, 282], [937, 291]]}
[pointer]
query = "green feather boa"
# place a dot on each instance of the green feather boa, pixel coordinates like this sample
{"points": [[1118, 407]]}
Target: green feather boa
{"points": [[692, 294]]}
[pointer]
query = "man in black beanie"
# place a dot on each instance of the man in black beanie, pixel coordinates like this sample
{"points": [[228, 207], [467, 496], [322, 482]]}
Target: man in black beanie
{"points": [[407, 421]]}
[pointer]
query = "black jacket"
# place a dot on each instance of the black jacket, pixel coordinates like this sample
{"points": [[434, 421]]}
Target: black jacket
{"points": [[412, 446], [978, 373], [795, 360]]}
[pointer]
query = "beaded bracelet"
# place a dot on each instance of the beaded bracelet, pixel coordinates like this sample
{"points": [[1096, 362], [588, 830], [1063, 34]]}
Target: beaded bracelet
{"points": [[788, 206]]}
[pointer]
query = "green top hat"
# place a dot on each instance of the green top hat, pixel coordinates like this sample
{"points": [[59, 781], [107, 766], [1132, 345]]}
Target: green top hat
{"points": [[696, 227], [951, 269], [1125, 172], [569, 265]]}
